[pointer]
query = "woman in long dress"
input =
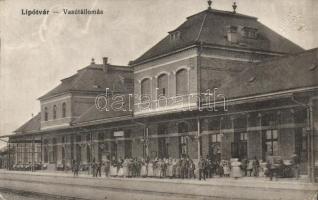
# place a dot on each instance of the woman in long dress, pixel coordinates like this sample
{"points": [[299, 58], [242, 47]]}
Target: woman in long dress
{"points": [[150, 169], [178, 169], [155, 168], [126, 168], [169, 168], [120, 171], [236, 169], [174, 168], [113, 168], [144, 170]]}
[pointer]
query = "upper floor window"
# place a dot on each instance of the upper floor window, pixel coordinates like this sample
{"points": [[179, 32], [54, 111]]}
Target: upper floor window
{"points": [[249, 32], [145, 89], [54, 112], [182, 82], [232, 29], [232, 34], [162, 85], [175, 35], [46, 114], [64, 110]]}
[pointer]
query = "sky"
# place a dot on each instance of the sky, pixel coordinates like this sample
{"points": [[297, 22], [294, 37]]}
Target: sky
{"points": [[38, 51]]}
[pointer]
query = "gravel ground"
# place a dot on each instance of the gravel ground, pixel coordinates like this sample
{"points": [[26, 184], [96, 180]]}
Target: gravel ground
{"points": [[13, 196]]}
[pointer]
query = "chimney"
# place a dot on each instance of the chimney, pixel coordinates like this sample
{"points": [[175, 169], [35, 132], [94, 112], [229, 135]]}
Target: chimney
{"points": [[105, 64]]}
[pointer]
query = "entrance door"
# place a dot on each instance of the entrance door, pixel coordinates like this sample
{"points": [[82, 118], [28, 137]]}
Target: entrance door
{"points": [[301, 148], [128, 144], [113, 150], [183, 139], [239, 146], [162, 141]]}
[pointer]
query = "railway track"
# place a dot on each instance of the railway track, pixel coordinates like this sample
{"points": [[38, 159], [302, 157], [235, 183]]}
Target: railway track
{"points": [[140, 194], [83, 188], [35, 195]]}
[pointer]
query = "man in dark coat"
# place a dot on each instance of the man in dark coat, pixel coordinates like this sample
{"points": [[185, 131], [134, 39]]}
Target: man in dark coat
{"points": [[183, 168], [107, 167], [76, 168], [94, 168], [295, 162], [202, 167], [99, 169]]}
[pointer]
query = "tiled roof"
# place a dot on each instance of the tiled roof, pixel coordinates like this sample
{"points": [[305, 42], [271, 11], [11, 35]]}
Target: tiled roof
{"points": [[33, 125], [280, 74], [91, 79], [209, 27]]}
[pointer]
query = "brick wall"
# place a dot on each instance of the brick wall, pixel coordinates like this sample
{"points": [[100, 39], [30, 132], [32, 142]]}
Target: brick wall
{"points": [[168, 65], [60, 120]]}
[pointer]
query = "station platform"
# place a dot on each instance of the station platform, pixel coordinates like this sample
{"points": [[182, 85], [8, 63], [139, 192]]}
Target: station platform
{"points": [[87, 187]]}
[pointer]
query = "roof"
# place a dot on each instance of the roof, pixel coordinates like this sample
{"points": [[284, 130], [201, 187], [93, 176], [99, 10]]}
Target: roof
{"points": [[280, 74], [101, 115], [33, 125], [92, 79], [209, 27]]}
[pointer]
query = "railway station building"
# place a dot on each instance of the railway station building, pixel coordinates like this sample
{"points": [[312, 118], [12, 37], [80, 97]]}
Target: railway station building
{"points": [[221, 84]]}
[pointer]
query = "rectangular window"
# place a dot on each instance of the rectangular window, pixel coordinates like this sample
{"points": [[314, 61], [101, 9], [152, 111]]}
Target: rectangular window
{"points": [[249, 32], [243, 136], [232, 29], [216, 138], [184, 145], [271, 142]]}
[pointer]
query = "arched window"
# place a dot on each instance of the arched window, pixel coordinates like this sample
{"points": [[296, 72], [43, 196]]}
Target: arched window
{"points": [[145, 90], [162, 85], [182, 82], [46, 114], [64, 110], [54, 112]]}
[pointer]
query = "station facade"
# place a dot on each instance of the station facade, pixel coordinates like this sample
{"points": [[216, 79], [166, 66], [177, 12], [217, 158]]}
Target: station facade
{"points": [[221, 85]]}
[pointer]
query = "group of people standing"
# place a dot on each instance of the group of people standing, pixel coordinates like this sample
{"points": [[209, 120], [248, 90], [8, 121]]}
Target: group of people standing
{"points": [[250, 167], [161, 168], [183, 168], [210, 167]]}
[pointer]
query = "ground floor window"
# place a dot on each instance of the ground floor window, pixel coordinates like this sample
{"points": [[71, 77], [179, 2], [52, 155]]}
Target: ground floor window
{"points": [[183, 129], [54, 143], [46, 151], [78, 148], [215, 146], [184, 145], [88, 153], [270, 142]]}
